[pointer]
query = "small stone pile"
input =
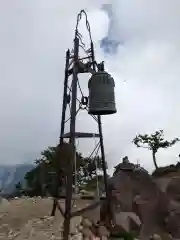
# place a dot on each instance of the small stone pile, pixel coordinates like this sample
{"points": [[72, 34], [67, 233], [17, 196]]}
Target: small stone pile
{"points": [[91, 230], [87, 230]]}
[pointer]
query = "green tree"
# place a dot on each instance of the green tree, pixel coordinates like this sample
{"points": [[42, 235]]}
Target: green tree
{"points": [[154, 142], [91, 173], [18, 189], [33, 184], [41, 179], [54, 162], [18, 186]]}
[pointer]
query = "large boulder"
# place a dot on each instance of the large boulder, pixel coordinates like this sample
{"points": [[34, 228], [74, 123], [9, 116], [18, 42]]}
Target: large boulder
{"points": [[132, 189], [169, 184]]}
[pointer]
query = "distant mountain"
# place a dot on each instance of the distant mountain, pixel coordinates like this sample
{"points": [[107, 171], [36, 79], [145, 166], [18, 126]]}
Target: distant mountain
{"points": [[11, 175]]}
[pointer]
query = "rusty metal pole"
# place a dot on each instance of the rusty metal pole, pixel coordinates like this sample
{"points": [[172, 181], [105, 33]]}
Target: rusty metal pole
{"points": [[67, 214], [64, 106]]}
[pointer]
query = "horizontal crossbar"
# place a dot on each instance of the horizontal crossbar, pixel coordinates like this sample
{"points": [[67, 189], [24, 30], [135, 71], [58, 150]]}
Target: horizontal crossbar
{"points": [[82, 135]]}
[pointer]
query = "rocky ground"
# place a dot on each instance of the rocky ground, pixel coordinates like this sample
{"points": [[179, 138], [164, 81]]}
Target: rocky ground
{"points": [[22, 219], [29, 218]]}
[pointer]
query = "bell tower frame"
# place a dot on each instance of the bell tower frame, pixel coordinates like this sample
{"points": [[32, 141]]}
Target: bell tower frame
{"points": [[76, 65]]}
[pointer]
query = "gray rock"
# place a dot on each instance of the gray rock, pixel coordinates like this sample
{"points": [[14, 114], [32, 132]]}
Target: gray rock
{"points": [[103, 232], [86, 232], [86, 223], [133, 190]]}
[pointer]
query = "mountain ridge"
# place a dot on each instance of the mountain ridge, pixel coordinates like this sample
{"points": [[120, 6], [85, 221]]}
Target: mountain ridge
{"points": [[10, 175]]}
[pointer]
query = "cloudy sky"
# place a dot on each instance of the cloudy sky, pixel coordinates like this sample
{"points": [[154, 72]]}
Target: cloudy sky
{"points": [[34, 36]]}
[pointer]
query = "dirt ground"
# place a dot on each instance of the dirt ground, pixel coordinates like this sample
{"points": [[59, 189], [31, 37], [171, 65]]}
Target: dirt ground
{"points": [[22, 219]]}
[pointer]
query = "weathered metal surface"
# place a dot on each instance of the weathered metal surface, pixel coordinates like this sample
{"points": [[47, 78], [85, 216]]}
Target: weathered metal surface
{"points": [[101, 94]]}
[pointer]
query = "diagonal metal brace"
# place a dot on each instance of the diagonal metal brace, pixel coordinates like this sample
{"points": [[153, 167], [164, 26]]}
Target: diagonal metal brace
{"points": [[90, 207]]}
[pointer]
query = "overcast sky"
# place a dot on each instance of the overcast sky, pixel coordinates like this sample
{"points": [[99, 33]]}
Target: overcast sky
{"points": [[34, 36]]}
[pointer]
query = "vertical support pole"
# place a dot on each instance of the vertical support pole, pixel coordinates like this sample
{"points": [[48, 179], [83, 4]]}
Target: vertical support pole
{"points": [[67, 214], [102, 150], [64, 105], [75, 169], [64, 96], [104, 169]]}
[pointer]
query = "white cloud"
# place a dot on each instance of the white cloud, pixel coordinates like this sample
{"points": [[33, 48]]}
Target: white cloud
{"points": [[33, 38], [149, 61]]}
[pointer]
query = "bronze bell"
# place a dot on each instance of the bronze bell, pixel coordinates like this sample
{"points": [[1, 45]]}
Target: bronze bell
{"points": [[101, 94]]}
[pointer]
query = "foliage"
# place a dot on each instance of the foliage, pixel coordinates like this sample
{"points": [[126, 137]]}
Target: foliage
{"points": [[53, 160], [18, 186], [154, 142], [18, 189]]}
